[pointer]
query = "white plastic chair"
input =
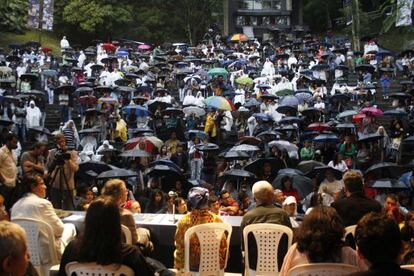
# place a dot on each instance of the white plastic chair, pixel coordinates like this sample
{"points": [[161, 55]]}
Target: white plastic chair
{"points": [[322, 269], [98, 270], [209, 236], [267, 237], [408, 267], [33, 228], [127, 234]]}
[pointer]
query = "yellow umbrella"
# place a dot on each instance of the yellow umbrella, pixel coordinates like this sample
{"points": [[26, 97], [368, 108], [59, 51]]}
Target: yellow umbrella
{"points": [[239, 37]]}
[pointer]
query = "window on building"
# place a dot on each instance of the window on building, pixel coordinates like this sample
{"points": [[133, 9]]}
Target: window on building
{"points": [[260, 4]]}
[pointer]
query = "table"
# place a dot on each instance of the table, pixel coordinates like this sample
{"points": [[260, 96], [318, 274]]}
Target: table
{"points": [[162, 228]]}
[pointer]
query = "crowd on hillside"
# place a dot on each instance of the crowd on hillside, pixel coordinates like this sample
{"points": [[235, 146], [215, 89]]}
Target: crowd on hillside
{"points": [[189, 130]]}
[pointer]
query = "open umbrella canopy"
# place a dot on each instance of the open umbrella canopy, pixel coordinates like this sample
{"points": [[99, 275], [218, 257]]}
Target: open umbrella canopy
{"points": [[345, 126], [239, 37], [207, 147], [326, 138], [322, 170], [196, 133], [135, 153], [40, 129], [218, 103], [347, 113], [292, 149], [370, 138], [290, 100], [287, 109], [168, 163], [252, 102], [395, 112], [372, 111], [117, 173], [318, 127], [234, 155], [251, 140], [237, 174], [95, 166], [284, 92], [153, 105], [387, 183], [90, 131], [244, 80], [365, 68], [268, 135], [385, 170], [300, 182], [147, 143], [308, 166], [245, 148], [161, 170], [172, 111], [290, 120], [108, 47], [218, 72], [197, 111], [257, 165]]}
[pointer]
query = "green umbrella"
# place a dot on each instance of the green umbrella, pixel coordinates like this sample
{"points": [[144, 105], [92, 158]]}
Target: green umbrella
{"points": [[284, 92], [244, 80], [218, 72], [346, 113]]}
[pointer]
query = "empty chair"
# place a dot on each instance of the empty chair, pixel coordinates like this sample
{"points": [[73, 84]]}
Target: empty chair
{"points": [[98, 270], [322, 269], [42, 258], [267, 236], [210, 236]]}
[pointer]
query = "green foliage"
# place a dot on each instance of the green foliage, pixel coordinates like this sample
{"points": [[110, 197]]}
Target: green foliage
{"points": [[13, 15], [318, 14]]}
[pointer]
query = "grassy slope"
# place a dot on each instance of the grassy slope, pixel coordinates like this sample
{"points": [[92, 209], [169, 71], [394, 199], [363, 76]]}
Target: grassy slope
{"points": [[395, 41], [48, 39]]}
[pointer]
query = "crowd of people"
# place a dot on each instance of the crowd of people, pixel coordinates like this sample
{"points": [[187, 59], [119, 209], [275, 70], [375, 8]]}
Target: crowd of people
{"points": [[189, 130]]}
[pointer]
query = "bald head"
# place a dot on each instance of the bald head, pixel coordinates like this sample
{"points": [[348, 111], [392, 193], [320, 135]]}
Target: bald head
{"points": [[263, 192]]}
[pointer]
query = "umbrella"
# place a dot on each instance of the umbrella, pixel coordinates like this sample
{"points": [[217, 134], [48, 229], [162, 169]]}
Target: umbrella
{"points": [[258, 164], [284, 92], [239, 37], [384, 170], [144, 47], [198, 111], [365, 68], [135, 153], [292, 149], [263, 86], [370, 138], [346, 113], [400, 96], [97, 67], [311, 111], [138, 110], [35, 93], [285, 109], [218, 103], [5, 70], [290, 120], [340, 97], [95, 166], [88, 100], [234, 155], [30, 76], [358, 117], [109, 47], [263, 117], [109, 151], [320, 67], [49, 73], [107, 100], [161, 170], [300, 182], [197, 133], [269, 97], [244, 80], [236, 174], [251, 140], [5, 122], [131, 69], [218, 72], [303, 95], [290, 100], [192, 78], [387, 183], [372, 111], [252, 102], [168, 163], [171, 111], [308, 166], [153, 105], [147, 143], [321, 171], [125, 89], [92, 111], [117, 173], [90, 131], [207, 147], [144, 131], [395, 112], [326, 138], [40, 130], [12, 58], [268, 135], [318, 127], [245, 148], [67, 88], [345, 125]]}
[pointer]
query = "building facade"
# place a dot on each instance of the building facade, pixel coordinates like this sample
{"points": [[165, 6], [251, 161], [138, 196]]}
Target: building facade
{"points": [[262, 17]]}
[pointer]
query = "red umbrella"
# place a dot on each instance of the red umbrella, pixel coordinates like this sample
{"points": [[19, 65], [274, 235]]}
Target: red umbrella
{"points": [[147, 143], [318, 127], [87, 99], [372, 111], [108, 47], [46, 50], [358, 118], [251, 140]]}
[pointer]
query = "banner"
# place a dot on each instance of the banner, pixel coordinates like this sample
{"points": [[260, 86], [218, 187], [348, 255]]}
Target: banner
{"points": [[47, 20], [404, 13], [34, 14]]}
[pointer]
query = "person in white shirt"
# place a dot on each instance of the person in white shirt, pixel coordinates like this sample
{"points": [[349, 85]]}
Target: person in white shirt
{"points": [[338, 163], [33, 115], [319, 104], [64, 43]]}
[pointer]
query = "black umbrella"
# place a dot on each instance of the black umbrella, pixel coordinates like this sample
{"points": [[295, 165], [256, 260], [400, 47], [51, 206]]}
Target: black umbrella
{"points": [[117, 173], [144, 89], [171, 111], [258, 164], [89, 131], [162, 170], [166, 163], [29, 76], [252, 103], [311, 111], [308, 166], [35, 93], [340, 97], [321, 171], [66, 88], [109, 151], [326, 138], [387, 183], [345, 126], [125, 89], [103, 89], [268, 135], [370, 138], [153, 106], [97, 67], [395, 112], [320, 67], [95, 166], [5, 122], [238, 174], [290, 120], [400, 96], [122, 82], [135, 153], [300, 182], [91, 111], [365, 68], [286, 109], [40, 129], [385, 170], [234, 155]]}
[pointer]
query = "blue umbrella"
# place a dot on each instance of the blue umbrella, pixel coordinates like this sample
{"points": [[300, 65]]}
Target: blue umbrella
{"points": [[303, 95], [290, 100], [137, 109], [251, 103], [326, 138], [197, 133], [263, 117]]}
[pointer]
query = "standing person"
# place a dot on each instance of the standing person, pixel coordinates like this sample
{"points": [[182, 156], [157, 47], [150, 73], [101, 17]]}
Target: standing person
{"points": [[385, 81], [20, 113], [64, 106], [32, 161], [71, 135], [64, 43], [196, 159], [61, 166], [33, 115], [199, 214], [34, 205], [8, 168]]}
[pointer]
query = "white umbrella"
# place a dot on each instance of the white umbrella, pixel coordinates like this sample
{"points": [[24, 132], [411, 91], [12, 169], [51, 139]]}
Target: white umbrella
{"points": [[198, 111], [292, 149], [245, 147]]}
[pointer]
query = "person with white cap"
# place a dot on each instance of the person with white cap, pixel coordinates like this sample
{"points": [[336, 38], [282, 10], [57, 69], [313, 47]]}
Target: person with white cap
{"points": [[290, 206], [33, 115]]}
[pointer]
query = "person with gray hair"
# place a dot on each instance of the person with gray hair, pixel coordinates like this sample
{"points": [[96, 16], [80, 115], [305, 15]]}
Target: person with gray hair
{"points": [[14, 257]]}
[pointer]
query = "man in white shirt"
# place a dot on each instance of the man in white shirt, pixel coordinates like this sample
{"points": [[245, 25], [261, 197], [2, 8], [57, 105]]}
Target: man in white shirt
{"points": [[64, 43]]}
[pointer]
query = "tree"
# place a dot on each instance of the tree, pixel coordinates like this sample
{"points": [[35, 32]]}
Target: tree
{"points": [[13, 15]]}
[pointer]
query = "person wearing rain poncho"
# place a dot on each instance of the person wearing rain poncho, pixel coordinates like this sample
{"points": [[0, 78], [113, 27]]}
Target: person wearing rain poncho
{"points": [[33, 115], [210, 126], [121, 129]]}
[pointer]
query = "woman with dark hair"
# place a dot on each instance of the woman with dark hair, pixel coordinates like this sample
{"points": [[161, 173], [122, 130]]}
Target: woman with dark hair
{"points": [[287, 188], [156, 203], [101, 241], [407, 230], [319, 240]]}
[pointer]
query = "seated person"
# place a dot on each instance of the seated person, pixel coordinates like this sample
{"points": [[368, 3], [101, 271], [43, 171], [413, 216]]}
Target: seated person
{"points": [[228, 205]]}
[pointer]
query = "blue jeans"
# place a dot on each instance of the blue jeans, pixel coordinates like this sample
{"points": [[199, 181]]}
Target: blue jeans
{"points": [[64, 113], [21, 132]]}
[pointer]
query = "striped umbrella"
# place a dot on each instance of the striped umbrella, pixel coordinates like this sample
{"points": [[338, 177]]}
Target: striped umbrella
{"points": [[219, 103]]}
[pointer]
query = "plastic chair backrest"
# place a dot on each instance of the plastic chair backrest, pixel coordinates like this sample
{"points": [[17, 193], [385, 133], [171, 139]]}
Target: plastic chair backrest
{"points": [[210, 236], [408, 267], [322, 269], [93, 269], [33, 228], [127, 234], [267, 237], [350, 230]]}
